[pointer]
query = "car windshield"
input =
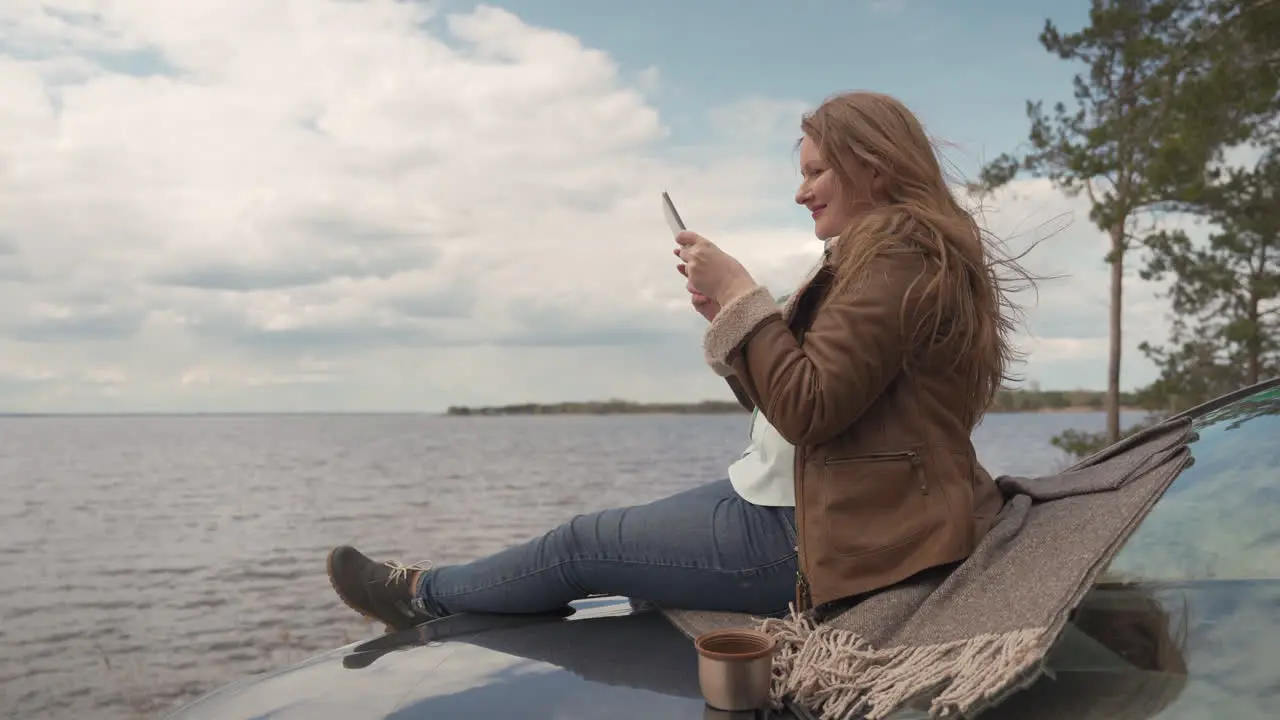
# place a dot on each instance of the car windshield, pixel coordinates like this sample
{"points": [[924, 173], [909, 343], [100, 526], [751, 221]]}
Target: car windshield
{"points": [[1183, 622], [1218, 518]]}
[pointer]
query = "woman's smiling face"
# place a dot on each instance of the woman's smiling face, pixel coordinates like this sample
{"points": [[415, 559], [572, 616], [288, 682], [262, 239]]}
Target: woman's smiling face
{"points": [[832, 206]]}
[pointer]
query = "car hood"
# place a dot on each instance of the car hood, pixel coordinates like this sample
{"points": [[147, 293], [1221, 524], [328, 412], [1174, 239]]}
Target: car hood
{"points": [[607, 659]]}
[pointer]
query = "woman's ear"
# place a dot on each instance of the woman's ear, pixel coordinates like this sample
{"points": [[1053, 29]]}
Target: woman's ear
{"points": [[879, 183]]}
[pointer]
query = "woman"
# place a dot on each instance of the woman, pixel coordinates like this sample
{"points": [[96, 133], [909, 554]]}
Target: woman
{"points": [[866, 384]]}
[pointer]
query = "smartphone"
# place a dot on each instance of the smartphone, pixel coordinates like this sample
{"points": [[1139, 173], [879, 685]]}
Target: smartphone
{"points": [[673, 218]]}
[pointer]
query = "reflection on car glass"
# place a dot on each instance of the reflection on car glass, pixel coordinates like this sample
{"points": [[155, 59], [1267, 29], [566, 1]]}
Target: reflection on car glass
{"points": [[1164, 651], [1217, 520], [1130, 622]]}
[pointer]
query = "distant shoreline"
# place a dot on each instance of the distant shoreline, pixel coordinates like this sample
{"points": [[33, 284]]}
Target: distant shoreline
{"points": [[1023, 402], [611, 407]]}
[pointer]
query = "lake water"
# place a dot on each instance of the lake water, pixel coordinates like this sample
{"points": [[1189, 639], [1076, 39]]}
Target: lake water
{"points": [[147, 560]]}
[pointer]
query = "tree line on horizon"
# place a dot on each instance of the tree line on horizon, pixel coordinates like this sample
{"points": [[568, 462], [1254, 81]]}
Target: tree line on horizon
{"points": [[1008, 400], [1171, 95]]}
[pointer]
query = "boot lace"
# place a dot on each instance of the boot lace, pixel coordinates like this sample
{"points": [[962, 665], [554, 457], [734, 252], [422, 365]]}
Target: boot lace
{"points": [[400, 572]]}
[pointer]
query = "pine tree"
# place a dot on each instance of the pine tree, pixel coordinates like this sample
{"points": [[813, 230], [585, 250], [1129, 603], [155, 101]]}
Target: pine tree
{"points": [[1126, 142], [1225, 294]]}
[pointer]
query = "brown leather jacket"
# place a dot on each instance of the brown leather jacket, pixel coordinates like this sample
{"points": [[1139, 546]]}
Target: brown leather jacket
{"points": [[886, 478]]}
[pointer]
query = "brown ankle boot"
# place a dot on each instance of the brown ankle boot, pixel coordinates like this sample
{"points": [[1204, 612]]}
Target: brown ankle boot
{"points": [[379, 591]]}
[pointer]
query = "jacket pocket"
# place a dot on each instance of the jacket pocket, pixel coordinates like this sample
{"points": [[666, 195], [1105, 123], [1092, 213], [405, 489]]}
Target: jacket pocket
{"points": [[874, 502]]}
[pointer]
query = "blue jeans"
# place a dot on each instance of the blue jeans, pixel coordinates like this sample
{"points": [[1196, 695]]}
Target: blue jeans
{"points": [[704, 548]]}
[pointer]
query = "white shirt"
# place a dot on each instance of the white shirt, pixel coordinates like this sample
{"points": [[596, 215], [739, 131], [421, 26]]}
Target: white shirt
{"points": [[765, 474]]}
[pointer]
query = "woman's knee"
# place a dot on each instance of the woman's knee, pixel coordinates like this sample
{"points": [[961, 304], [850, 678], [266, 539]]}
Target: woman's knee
{"points": [[582, 536]]}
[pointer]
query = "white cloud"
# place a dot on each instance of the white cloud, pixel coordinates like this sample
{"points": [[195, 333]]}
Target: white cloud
{"points": [[365, 205], [1068, 315]]}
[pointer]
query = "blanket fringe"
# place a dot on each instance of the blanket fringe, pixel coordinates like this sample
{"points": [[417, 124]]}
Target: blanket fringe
{"points": [[836, 673]]}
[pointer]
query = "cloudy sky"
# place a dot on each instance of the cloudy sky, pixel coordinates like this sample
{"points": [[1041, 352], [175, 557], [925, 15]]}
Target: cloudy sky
{"points": [[225, 205]]}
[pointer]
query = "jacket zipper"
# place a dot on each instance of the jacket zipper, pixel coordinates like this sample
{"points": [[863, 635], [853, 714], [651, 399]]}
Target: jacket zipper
{"points": [[804, 598], [910, 455]]}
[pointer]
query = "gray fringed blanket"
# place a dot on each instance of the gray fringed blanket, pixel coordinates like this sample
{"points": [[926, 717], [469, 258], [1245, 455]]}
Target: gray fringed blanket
{"points": [[966, 637]]}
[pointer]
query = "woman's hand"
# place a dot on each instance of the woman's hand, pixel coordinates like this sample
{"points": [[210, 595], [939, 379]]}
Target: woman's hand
{"points": [[712, 272], [705, 306]]}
